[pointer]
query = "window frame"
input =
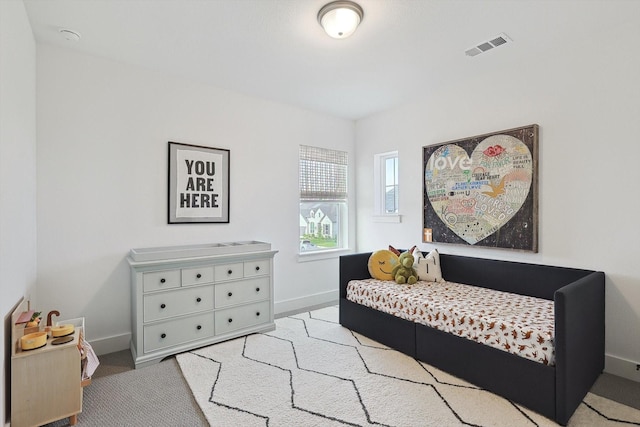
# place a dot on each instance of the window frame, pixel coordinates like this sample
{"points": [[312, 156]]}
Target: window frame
{"points": [[380, 187], [334, 198]]}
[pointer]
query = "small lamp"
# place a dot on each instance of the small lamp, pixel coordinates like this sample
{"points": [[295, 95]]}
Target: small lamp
{"points": [[340, 18]]}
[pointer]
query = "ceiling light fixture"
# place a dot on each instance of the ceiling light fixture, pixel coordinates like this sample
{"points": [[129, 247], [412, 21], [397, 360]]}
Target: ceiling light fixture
{"points": [[340, 18], [69, 35]]}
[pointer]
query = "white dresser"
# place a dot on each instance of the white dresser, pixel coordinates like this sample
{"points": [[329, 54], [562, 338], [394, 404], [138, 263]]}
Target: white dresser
{"points": [[184, 297]]}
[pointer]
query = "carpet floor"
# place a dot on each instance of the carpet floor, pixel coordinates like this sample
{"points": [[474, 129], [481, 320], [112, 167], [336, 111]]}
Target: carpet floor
{"points": [[153, 396], [311, 371]]}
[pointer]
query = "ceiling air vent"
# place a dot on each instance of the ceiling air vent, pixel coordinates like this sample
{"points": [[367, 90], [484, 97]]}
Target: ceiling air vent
{"points": [[496, 41]]}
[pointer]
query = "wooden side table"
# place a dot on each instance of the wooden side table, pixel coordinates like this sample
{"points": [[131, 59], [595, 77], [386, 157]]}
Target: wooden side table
{"points": [[46, 383]]}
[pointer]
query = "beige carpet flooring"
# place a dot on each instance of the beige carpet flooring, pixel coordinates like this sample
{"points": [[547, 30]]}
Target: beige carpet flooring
{"points": [[154, 396]]}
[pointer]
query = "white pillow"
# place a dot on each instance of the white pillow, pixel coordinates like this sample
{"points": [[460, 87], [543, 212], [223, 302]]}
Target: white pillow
{"points": [[428, 267]]}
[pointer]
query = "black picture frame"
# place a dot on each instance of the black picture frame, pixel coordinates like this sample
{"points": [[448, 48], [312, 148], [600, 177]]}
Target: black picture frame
{"points": [[198, 188]]}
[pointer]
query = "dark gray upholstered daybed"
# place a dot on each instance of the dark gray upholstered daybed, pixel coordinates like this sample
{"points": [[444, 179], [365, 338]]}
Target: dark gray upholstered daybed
{"points": [[553, 391]]}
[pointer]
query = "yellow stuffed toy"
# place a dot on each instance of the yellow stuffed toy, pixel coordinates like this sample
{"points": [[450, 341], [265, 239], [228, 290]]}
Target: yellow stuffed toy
{"points": [[404, 271]]}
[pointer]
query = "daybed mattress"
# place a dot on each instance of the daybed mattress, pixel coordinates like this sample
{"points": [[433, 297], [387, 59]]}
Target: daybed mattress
{"points": [[518, 324]]}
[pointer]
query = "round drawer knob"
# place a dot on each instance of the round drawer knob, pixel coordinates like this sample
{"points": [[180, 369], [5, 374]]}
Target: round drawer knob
{"points": [[198, 299], [257, 289], [198, 276], [163, 280], [230, 320], [163, 305], [230, 272], [258, 313], [230, 294], [199, 327], [163, 336], [257, 268]]}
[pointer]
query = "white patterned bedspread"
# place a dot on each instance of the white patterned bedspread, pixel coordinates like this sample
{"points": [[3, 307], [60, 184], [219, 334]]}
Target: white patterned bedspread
{"points": [[514, 323]]}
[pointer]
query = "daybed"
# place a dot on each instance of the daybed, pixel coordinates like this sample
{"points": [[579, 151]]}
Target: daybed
{"points": [[554, 391]]}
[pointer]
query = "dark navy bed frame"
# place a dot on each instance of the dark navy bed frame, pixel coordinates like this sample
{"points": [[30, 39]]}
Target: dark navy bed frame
{"points": [[553, 391]]}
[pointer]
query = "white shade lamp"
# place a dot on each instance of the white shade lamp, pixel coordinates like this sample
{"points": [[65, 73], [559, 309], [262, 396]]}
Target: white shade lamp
{"points": [[340, 18]]}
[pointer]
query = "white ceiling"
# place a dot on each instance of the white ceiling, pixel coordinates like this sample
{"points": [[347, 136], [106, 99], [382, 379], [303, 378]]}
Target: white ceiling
{"points": [[275, 49]]}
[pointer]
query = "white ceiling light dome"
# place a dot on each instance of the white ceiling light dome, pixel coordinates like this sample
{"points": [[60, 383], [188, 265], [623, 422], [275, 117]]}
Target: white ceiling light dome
{"points": [[70, 35], [340, 18]]}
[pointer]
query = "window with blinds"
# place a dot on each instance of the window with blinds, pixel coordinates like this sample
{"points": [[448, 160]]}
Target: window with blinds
{"points": [[323, 198]]}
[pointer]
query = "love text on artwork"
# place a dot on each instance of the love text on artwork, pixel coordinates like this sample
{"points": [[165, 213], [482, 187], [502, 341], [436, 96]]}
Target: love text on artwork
{"points": [[449, 162], [200, 188]]}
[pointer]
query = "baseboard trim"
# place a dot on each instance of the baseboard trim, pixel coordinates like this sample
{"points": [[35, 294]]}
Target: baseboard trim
{"points": [[622, 367], [110, 344], [294, 305]]}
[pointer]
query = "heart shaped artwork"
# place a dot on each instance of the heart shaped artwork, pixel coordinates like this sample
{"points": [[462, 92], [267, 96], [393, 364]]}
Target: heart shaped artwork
{"points": [[476, 196]]}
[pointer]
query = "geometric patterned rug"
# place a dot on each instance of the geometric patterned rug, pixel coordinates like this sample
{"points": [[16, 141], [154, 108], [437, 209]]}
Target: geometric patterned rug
{"points": [[311, 371]]}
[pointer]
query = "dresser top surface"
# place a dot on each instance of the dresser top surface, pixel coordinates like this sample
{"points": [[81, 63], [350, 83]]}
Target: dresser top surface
{"points": [[193, 251]]}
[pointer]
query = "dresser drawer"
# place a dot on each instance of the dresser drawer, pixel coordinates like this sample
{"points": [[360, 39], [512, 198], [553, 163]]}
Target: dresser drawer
{"points": [[197, 276], [174, 332], [158, 280], [175, 303], [234, 293], [229, 272], [232, 319], [257, 268]]}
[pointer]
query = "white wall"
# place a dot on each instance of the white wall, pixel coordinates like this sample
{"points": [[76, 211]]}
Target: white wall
{"points": [[17, 171], [103, 129], [585, 97]]}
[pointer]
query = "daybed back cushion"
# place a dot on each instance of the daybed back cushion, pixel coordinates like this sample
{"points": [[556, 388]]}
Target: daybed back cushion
{"points": [[526, 279], [518, 324]]}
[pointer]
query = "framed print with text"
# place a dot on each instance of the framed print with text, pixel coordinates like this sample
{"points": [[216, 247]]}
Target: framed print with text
{"points": [[198, 184]]}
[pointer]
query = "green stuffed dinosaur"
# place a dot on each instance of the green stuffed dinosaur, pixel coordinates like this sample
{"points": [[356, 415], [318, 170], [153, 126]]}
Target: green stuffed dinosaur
{"points": [[404, 272]]}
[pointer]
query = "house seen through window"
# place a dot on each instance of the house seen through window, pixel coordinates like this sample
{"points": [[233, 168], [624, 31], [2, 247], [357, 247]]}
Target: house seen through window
{"points": [[323, 199]]}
